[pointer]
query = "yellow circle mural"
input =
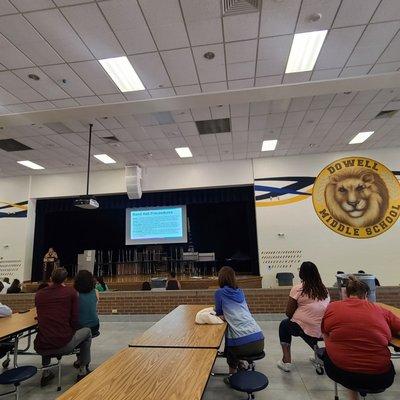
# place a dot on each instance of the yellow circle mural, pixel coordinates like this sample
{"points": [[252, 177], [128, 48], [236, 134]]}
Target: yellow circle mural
{"points": [[357, 197]]}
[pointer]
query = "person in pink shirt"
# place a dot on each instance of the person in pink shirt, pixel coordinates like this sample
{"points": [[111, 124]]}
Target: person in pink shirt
{"points": [[305, 308]]}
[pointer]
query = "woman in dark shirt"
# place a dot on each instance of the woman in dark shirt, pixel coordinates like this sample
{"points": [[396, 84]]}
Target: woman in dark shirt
{"points": [[15, 287]]}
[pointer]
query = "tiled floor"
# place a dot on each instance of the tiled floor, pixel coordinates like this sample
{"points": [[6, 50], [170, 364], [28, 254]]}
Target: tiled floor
{"points": [[300, 384]]}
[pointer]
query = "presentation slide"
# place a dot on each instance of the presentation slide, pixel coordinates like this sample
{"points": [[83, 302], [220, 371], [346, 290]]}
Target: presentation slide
{"points": [[155, 225]]}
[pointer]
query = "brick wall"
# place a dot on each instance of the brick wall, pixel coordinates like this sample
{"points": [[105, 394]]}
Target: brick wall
{"points": [[259, 300]]}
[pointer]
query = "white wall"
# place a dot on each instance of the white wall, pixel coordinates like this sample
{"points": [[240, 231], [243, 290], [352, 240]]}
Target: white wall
{"points": [[13, 230], [303, 231]]}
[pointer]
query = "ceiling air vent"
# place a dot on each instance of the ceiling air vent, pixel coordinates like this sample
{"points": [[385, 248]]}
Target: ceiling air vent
{"points": [[12, 145], [386, 114], [213, 126], [58, 127], [110, 139], [234, 7]]}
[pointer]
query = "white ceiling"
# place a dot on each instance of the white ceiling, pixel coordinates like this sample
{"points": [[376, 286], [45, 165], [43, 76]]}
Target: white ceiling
{"points": [[165, 40]]}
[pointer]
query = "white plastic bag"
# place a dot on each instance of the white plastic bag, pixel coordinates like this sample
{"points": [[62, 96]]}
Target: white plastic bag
{"points": [[208, 316]]}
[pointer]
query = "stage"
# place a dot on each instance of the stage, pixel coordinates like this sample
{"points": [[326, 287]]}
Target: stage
{"points": [[134, 282]]}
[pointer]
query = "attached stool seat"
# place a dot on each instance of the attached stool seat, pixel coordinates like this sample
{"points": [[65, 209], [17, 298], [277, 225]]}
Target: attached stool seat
{"points": [[248, 382], [15, 376], [252, 358]]}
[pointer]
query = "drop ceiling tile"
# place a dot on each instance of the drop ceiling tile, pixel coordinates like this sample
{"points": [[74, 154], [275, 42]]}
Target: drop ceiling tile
{"points": [[11, 57], [294, 119], [241, 26], [388, 10], [7, 8], [45, 86], [239, 110], [205, 31], [122, 135], [221, 111], [180, 66], [189, 89], [88, 101], [268, 80], [129, 26], [392, 53], [65, 103], [138, 95], [113, 98], [241, 84], [241, 70], [18, 87], [42, 105], [385, 67], [19, 108], [355, 71], [364, 97], [208, 141], [92, 27], [279, 17], [159, 93], [210, 70], [373, 42], [279, 106], [19, 32], [166, 23], [273, 53], [7, 98], [240, 138], [327, 9], [297, 77], [151, 70], [182, 116], [193, 141], [74, 85], [29, 5], [201, 114], [177, 142], [332, 115], [321, 101], [92, 73], [351, 112], [338, 46], [355, 12], [300, 103], [323, 74], [241, 51], [214, 87], [260, 108], [239, 123]]}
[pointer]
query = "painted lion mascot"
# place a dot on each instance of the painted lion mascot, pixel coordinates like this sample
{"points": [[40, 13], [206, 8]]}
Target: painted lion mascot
{"points": [[357, 197]]}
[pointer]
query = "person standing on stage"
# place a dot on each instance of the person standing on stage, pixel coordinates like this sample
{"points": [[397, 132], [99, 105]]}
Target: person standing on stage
{"points": [[49, 262]]}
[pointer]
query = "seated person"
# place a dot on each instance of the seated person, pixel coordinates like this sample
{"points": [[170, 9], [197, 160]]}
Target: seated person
{"points": [[243, 337], [58, 319], [5, 311], [42, 285], [357, 334], [305, 309], [335, 285], [146, 286], [15, 287], [101, 285], [172, 282], [84, 284], [6, 285]]}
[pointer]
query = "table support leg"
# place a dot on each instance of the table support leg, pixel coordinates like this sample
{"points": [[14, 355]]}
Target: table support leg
{"points": [[16, 351]]}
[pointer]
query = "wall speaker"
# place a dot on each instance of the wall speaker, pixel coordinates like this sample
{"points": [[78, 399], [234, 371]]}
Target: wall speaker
{"points": [[133, 180]]}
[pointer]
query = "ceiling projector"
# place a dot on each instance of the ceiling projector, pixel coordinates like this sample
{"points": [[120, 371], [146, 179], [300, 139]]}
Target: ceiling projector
{"points": [[86, 202]]}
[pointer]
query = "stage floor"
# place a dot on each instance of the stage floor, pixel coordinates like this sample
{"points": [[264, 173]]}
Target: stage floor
{"points": [[134, 282]]}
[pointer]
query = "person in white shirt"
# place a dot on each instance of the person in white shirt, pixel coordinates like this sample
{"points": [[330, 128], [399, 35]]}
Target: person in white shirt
{"points": [[6, 285], [5, 311]]}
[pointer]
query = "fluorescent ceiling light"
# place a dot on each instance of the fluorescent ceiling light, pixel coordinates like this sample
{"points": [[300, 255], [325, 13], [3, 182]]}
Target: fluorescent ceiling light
{"points": [[104, 158], [30, 164], [269, 145], [122, 73], [361, 137], [184, 152], [304, 51]]}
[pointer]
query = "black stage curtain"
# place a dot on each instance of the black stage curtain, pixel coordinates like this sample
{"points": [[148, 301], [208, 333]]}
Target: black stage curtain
{"points": [[221, 220]]}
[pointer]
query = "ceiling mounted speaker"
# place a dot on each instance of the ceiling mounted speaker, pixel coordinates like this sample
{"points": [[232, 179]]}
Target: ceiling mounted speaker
{"points": [[133, 180]]}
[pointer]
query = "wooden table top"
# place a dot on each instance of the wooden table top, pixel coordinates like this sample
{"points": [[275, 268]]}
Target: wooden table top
{"points": [[178, 329], [396, 311], [147, 373], [17, 322]]}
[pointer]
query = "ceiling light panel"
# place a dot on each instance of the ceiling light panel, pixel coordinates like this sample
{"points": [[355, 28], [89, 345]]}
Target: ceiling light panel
{"points": [[104, 158], [269, 145], [304, 51], [30, 164], [183, 152], [122, 73], [361, 137]]}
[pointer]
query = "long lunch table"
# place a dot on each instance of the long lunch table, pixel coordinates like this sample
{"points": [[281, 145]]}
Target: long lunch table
{"points": [[395, 342], [178, 329], [147, 373], [17, 326]]}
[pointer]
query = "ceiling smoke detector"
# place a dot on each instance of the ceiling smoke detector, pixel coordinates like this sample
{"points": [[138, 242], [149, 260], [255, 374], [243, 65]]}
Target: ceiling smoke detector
{"points": [[209, 55], [34, 77], [315, 17]]}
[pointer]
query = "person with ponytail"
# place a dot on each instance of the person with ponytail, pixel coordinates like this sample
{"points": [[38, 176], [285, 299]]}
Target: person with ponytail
{"points": [[357, 334], [305, 309]]}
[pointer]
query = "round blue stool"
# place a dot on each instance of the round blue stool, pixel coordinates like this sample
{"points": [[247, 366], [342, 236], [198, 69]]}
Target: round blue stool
{"points": [[248, 382]]}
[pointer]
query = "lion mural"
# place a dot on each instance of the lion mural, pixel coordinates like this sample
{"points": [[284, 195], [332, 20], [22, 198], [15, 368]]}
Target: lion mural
{"points": [[357, 197]]}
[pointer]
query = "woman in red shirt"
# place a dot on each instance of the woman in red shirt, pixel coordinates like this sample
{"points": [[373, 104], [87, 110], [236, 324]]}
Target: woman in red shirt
{"points": [[357, 335]]}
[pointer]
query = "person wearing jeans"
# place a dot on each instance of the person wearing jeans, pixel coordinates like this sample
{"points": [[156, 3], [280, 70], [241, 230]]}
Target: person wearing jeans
{"points": [[58, 323], [305, 309]]}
